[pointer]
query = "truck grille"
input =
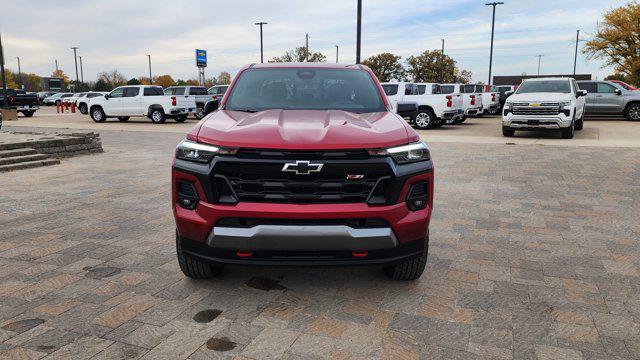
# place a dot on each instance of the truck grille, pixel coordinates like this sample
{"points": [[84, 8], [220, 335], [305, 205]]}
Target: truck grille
{"points": [[544, 108], [264, 181]]}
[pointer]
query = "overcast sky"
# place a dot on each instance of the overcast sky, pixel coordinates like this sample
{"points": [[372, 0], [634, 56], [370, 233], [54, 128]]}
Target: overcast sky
{"points": [[117, 34]]}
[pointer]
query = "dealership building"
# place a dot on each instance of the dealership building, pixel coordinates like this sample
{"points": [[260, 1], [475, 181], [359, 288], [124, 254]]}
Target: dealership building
{"points": [[52, 84], [517, 79]]}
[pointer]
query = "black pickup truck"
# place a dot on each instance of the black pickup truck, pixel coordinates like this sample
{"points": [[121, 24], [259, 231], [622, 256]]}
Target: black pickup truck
{"points": [[25, 103]]}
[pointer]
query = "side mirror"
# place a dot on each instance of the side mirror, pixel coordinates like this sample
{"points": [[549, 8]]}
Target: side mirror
{"points": [[407, 109], [618, 91], [582, 93], [106, 96], [508, 93]]}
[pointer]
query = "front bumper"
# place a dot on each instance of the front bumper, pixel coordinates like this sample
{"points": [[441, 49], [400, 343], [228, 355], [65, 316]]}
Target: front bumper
{"points": [[204, 227], [536, 122]]}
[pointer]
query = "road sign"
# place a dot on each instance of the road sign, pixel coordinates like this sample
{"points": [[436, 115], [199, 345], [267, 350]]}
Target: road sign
{"points": [[201, 58]]}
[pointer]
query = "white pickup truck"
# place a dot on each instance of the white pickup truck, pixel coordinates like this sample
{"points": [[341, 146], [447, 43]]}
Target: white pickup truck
{"points": [[434, 109], [141, 100], [471, 100], [491, 99]]}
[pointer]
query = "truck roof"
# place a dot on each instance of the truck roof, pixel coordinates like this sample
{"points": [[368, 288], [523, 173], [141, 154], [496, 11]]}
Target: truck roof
{"points": [[306, 65], [548, 78]]}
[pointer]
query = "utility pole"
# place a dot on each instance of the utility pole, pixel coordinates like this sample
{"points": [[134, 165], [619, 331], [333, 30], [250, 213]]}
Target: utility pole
{"points": [[75, 58], [150, 78], [56, 65], [575, 58], [442, 63], [539, 60], [81, 71], [359, 32], [336, 54], [307, 47], [19, 71], [3, 75], [493, 25], [261, 47]]}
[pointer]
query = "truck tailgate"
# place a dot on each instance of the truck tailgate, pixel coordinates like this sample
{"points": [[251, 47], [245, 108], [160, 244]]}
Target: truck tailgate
{"points": [[184, 101]]}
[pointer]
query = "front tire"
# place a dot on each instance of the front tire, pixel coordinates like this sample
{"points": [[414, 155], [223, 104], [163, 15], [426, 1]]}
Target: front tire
{"points": [[157, 116], [508, 132], [123, 118], [580, 122], [83, 108], [194, 268], [181, 118], [28, 113], [568, 132], [410, 269], [425, 119], [632, 112], [97, 115]]}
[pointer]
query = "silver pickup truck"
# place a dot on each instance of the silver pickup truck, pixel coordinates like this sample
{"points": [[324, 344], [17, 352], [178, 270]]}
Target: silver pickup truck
{"points": [[609, 98], [198, 92]]}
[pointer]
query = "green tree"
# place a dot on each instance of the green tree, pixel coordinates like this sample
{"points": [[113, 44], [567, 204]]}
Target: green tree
{"points": [[386, 66], [134, 81], [32, 82], [224, 78], [617, 40], [431, 66], [463, 76], [299, 54], [164, 80], [60, 74], [114, 78], [102, 85]]}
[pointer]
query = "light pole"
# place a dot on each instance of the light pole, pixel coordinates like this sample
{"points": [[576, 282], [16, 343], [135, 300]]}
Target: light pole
{"points": [[19, 71], [442, 63], [336, 54], [359, 32], [81, 71], [75, 58], [56, 65], [261, 47], [306, 55], [3, 75], [493, 24], [575, 58], [150, 78], [539, 60]]}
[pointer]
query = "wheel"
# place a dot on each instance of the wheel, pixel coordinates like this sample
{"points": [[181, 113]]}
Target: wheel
{"points": [[157, 116], [83, 108], [181, 118], [199, 113], [580, 123], [425, 119], [568, 132], [507, 132], [632, 112], [194, 268], [98, 115], [28, 113], [410, 269], [123, 118]]}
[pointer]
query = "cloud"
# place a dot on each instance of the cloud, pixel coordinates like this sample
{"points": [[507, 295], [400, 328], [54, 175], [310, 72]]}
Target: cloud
{"points": [[118, 34]]}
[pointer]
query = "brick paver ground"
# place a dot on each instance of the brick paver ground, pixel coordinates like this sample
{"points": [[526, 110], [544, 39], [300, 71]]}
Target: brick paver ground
{"points": [[534, 255]]}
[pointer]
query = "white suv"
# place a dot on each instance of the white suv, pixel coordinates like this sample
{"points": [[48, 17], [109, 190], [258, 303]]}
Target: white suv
{"points": [[545, 104]]}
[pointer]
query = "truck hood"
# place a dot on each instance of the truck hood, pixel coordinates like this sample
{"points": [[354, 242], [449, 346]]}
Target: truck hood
{"points": [[541, 97], [304, 129]]}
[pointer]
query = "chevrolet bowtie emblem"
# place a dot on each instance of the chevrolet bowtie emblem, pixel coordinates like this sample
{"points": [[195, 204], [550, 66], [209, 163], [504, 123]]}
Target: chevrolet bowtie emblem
{"points": [[302, 167]]}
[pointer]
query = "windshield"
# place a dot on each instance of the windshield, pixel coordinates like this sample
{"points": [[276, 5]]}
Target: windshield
{"points": [[305, 89], [545, 86]]}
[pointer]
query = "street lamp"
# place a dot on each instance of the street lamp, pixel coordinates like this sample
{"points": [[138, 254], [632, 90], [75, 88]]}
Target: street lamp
{"points": [[150, 78], [19, 71], [336, 54], [359, 32], [75, 58], [81, 71], [307, 48], [539, 60], [261, 47], [493, 23]]}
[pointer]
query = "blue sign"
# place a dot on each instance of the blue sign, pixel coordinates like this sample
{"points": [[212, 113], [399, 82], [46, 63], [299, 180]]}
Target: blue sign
{"points": [[201, 58]]}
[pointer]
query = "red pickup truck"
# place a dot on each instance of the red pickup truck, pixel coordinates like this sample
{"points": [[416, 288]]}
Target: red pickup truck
{"points": [[303, 164]]}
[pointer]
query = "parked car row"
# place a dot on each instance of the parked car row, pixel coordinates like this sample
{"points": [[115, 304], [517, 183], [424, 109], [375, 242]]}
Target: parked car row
{"points": [[440, 104]]}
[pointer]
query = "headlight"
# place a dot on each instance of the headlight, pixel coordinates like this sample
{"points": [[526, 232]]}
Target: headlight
{"points": [[404, 154], [193, 151], [564, 104], [508, 104]]}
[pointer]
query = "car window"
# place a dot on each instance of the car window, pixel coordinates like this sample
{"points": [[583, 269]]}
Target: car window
{"points": [[117, 93], [409, 90], [469, 89], [421, 89], [197, 91], [604, 88], [222, 90], [589, 86], [131, 92], [178, 91], [308, 88], [169, 91], [447, 89], [545, 86], [152, 91], [390, 90], [67, 95]]}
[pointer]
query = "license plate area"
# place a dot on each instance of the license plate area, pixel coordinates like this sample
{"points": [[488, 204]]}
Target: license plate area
{"points": [[533, 122]]}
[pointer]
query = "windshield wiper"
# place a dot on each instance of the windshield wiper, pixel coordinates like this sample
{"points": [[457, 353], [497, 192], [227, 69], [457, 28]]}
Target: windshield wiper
{"points": [[243, 110]]}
